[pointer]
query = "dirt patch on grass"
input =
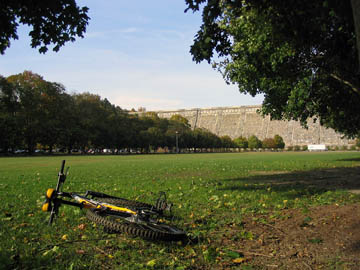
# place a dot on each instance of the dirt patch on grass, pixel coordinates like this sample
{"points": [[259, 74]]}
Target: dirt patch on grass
{"points": [[324, 237]]}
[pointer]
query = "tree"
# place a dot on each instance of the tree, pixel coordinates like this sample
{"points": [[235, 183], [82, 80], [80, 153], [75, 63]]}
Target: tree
{"points": [[53, 114], [205, 139], [254, 142], [156, 138], [279, 142], [93, 121], [356, 15], [122, 129], [180, 119], [276, 142], [10, 133], [179, 129], [268, 143], [71, 129], [53, 22], [241, 142], [144, 141], [302, 56], [227, 142], [29, 88]]}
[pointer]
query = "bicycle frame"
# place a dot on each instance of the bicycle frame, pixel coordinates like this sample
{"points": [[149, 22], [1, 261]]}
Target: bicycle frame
{"points": [[116, 214], [54, 201]]}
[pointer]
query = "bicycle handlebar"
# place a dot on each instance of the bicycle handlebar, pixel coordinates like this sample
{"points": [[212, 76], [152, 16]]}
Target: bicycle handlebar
{"points": [[52, 201], [61, 176]]}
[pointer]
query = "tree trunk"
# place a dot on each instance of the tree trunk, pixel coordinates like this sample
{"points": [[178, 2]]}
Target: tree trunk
{"points": [[356, 14]]}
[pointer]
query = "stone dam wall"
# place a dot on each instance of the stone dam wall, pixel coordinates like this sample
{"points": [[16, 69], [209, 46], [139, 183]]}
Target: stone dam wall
{"points": [[245, 121]]}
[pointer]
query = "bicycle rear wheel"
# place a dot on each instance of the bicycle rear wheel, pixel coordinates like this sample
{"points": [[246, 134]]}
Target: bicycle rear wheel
{"points": [[153, 231]]}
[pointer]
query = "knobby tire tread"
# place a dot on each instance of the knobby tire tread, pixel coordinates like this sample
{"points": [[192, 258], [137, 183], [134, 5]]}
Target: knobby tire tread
{"points": [[128, 227]]}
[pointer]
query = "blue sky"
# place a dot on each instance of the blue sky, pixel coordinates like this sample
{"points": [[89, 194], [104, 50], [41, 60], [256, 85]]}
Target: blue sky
{"points": [[135, 54]]}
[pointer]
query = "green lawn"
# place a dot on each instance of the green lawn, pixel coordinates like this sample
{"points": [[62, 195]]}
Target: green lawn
{"points": [[208, 191]]}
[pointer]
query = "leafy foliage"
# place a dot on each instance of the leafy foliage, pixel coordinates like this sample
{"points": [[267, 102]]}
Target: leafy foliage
{"points": [[301, 56], [268, 143], [180, 119], [254, 142], [36, 108], [241, 142], [358, 142], [53, 22], [9, 125], [227, 142], [279, 142], [37, 113], [276, 142]]}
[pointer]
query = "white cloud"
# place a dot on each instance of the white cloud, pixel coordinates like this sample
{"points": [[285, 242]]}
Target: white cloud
{"points": [[129, 102], [111, 33], [144, 61]]}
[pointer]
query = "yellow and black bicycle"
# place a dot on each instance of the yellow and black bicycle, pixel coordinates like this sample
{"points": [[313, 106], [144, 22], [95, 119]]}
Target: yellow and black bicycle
{"points": [[116, 214]]}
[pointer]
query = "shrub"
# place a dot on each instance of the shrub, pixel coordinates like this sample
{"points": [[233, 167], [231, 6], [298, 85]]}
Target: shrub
{"points": [[297, 148], [357, 142], [279, 142], [227, 142], [304, 147], [290, 148], [254, 142], [344, 148], [241, 142], [269, 143]]}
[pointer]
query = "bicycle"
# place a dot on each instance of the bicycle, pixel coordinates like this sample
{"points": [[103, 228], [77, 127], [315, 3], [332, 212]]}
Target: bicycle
{"points": [[115, 214]]}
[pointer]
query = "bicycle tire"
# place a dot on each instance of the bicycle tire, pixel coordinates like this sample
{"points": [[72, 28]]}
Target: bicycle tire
{"points": [[148, 231]]}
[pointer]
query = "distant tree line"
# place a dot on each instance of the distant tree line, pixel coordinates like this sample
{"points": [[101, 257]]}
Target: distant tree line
{"points": [[37, 114]]}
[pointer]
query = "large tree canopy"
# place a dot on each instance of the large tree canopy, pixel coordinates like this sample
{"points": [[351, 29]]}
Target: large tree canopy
{"points": [[301, 55], [53, 22]]}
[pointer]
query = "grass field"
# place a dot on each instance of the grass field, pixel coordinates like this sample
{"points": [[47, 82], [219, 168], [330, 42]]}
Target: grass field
{"points": [[212, 194]]}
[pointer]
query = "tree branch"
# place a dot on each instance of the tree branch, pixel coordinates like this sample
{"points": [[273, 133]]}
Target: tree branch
{"points": [[353, 87], [356, 14]]}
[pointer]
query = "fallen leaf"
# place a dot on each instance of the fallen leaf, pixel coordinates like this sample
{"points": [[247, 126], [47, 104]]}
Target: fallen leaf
{"points": [[151, 263], [46, 252], [239, 260], [82, 226]]}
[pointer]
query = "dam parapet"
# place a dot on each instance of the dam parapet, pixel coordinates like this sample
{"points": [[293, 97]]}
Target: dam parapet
{"points": [[246, 121]]}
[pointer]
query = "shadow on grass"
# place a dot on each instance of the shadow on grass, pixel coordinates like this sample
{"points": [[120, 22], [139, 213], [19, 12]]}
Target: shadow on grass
{"points": [[350, 159], [313, 182], [306, 184]]}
